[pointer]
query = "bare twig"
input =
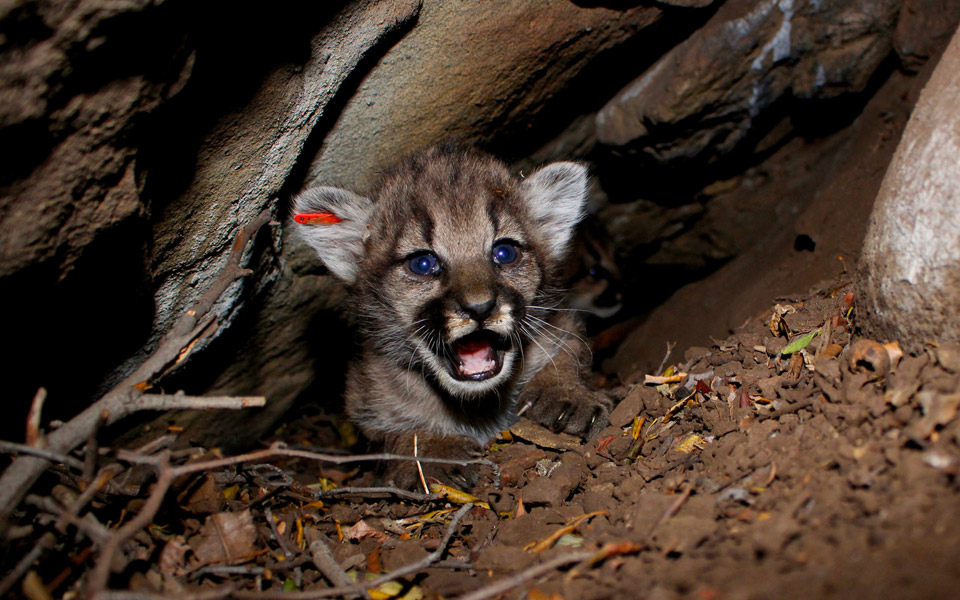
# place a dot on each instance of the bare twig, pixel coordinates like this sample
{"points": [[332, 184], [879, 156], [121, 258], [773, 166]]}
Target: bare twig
{"points": [[508, 583], [666, 357], [284, 545], [97, 582], [227, 570], [223, 591], [669, 467], [103, 476], [51, 455], [278, 449], [327, 565], [167, 473], [33, 418], [47, 540], [423, 480], [179, 401], [92, 528], [91, 450], [119, 402], [672, 509], [376, 492], [357, 588]]}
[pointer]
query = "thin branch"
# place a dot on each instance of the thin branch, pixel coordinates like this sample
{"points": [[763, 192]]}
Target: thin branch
{"points": [[375, 492], [97, 581], [672, 509], [222, 591], [278, 449], [33, 418], [284, 545], [91, 450], [119, 402], [47, 540], [657, 473], [180, 401], [666, 357], [92, 528], [504, 585], [356, 588], [51, 455], [329, 567], [101, 479], [226, 570]]}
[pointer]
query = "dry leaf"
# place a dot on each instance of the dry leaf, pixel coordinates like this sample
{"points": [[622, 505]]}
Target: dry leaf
{"points": [[571, 526], [228, 537], [777, 325], [173, 557], [536, 594], [660, 380], [363, 530], [33, 588], [454, 495], [373, 561], [938, 409], [894, 352], [543, 437], [520, 509], [691, 443]]}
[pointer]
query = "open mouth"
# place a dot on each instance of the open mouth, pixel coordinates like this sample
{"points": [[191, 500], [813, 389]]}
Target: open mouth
{"points": [[477, 356]]}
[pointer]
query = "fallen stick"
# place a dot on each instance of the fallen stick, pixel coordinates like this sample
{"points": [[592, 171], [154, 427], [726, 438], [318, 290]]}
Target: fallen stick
{"points": [[120, 402], [328, 566], [358, 588], [508, 583]]}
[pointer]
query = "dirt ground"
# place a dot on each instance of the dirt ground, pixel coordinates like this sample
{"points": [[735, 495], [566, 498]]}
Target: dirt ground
{"points": [[828, 471]]}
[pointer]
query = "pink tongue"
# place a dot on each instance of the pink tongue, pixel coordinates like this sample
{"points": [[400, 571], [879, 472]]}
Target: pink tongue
{"points": [[476, 356]]}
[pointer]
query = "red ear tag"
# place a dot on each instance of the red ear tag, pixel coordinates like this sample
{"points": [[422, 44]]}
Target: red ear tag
{"points": [[323, 218]]}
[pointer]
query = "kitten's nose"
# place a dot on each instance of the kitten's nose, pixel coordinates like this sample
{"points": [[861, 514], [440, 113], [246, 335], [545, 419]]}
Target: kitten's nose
{"points": [[479, 311]]}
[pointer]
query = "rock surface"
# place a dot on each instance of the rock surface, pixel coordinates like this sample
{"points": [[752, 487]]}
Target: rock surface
{"points": [[821, 190], [477, 72], [700, 101], [910, 267], [132, 177]]}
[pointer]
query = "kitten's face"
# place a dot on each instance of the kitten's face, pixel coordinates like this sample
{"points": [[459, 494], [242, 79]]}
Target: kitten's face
{"points": [[455, 261]]}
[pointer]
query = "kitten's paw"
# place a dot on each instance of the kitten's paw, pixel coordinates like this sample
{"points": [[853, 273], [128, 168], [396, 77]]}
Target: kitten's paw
{"points": [[578, 411]]}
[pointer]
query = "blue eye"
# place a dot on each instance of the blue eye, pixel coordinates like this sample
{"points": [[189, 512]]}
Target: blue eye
{"points": [[504, 254], [424, 264]]}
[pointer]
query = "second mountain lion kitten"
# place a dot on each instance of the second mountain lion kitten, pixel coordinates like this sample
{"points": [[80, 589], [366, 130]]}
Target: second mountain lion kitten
{"points": [[452, 266]]}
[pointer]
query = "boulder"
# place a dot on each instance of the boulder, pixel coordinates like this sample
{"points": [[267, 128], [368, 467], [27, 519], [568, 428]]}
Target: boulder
{"points": [[703, 98], [139, 138], [909, 284], [477, 72]]}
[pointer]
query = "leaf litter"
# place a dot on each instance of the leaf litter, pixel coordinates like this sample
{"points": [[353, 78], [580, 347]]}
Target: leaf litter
{"points": [[777, 463]]}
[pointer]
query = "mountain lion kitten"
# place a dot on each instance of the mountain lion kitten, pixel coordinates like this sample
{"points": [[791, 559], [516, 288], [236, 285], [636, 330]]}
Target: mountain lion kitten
{"points": [[452, 264]]}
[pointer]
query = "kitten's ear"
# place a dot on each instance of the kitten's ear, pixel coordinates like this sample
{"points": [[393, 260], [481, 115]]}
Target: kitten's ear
{"points": [[334, 222], [555, 196]]}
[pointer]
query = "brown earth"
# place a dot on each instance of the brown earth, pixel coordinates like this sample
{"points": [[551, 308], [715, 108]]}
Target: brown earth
{"points": [[827, 472]]}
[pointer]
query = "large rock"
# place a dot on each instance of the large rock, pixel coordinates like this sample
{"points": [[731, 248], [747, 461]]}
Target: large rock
{"points": [[475, 71], [817, 192], [922, 28], [909, 285], [700, 101], [139, 138]]}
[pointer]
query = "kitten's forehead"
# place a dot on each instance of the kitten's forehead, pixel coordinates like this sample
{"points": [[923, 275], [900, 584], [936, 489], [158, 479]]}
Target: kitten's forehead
{"points": [[457, 204]]}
